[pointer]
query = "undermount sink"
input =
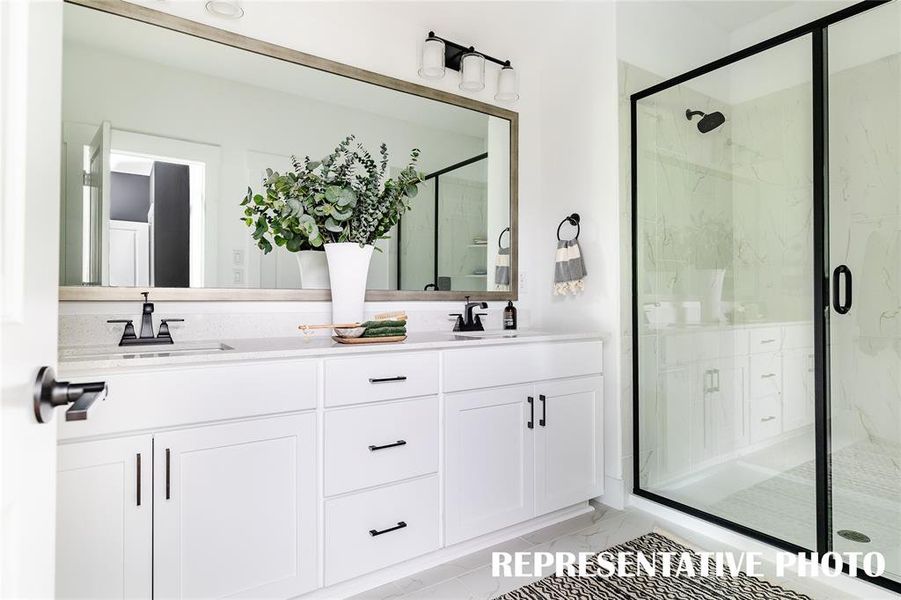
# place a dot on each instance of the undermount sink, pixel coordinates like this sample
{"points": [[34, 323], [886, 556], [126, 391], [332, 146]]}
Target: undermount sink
{"points": [[481, 335], [141, 351]]}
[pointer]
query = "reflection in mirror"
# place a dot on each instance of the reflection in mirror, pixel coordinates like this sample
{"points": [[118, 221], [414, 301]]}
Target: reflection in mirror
{"points": [[164, 132]]}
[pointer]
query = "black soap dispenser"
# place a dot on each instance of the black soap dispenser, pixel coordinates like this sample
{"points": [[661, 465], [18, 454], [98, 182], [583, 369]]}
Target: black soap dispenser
{"points": [[510, 315]]}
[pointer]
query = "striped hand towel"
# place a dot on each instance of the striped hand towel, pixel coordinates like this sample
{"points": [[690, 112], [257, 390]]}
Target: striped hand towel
{"points": [[502, 270], [569, 269]]}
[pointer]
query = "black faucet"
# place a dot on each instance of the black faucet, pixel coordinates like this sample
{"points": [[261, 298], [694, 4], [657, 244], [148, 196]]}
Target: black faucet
{"points": [[470, 322], [146, 337]]}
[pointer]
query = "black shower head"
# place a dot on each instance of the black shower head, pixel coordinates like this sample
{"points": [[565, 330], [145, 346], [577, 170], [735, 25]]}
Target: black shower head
{"points": [[708, 122]]}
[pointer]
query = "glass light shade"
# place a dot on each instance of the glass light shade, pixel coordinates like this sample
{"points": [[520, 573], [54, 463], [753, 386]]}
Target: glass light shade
{"points": [[432, 59], [472, 72], [507, 90]]}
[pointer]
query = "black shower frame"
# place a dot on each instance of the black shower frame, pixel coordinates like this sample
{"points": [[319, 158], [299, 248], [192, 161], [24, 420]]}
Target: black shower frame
{"points": [[435, 176], [818, 30]]}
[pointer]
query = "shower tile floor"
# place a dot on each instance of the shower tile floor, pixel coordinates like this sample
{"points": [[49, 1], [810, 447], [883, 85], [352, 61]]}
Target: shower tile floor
{"points": [[773, 491]]}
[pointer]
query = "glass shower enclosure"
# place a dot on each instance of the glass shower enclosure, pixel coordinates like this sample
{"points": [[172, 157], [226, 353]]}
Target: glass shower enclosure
{"points": [[766, 221]]}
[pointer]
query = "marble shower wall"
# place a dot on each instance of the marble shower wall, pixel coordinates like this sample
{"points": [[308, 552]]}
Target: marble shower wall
{"points": [[865, 234]]}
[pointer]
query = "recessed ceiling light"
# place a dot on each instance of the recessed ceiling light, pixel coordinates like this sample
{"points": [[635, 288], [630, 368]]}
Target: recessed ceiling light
{"points": [[226, 9]]}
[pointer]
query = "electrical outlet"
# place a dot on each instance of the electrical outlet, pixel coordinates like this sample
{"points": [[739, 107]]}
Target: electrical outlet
{"points": [[523, 284], [238, 276], [237, 257]]}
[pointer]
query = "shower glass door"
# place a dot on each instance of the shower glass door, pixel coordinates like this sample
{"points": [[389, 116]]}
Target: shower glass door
{"points": [[723, 265], [864, 54]]}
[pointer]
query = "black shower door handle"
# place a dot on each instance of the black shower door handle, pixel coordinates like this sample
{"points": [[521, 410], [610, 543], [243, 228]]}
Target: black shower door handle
{"points": [[837, 276]]}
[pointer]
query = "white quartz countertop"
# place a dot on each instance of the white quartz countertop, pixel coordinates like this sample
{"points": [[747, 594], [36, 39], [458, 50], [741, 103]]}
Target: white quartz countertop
{"points": [[83, 360]]}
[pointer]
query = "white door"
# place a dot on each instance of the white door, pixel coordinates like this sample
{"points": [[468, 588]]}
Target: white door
{"points": [[30, 75], [489, 449], [569, 449], [129, 257], [104, 536], [97, 179], [235, 510]]}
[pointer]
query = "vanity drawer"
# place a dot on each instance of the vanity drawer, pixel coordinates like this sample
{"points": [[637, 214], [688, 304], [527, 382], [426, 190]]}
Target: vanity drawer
{"points": [[766, 418], [358, 379], [381, 527], [765, 375], [363, 444], [765, 339], [481, 367]]}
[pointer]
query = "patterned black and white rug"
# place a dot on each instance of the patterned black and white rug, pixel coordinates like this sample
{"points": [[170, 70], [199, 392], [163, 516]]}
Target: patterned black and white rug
{"points": [[647, 587]]}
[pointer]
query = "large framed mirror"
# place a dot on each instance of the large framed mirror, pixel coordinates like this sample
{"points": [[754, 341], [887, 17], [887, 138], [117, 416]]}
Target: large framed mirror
{"points": [[167, 122]]}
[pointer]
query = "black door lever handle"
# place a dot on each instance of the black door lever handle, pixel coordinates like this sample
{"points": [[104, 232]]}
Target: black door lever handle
{"points": [[50, 393]]}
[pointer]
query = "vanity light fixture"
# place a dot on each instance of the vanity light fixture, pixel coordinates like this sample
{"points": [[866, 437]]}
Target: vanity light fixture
{"points": [[225, 9], [439, 54], [432, 58], [472, 72], [507, 88]]}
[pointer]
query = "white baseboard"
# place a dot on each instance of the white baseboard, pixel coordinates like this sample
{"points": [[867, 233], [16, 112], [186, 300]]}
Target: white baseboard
{"points": [[614, 493]]}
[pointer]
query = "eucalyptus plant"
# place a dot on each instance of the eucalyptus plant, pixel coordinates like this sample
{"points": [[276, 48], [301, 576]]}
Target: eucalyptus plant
{"points": [[345, 197]]}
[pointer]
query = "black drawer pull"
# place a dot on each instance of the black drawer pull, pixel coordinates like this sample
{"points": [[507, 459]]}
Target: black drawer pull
{"points": [[375, 532], [543, 420], [387, 379], [168, 495], [138, 471], [394, 445], [531, 423]]}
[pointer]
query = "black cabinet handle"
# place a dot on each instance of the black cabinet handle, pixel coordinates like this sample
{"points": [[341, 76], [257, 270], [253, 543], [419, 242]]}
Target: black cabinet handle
{"points": [[836, 295], [167, 474], [394, 445], [138, 470], [375, 532], [531, 423], [543, 420], [387, 379]]}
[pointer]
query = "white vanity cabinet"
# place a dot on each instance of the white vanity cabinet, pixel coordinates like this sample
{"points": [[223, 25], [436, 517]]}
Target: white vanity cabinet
{"points": [[489, 461], [235, 510], [569, 449], [104, 521], [516, 452], [274, 478]]}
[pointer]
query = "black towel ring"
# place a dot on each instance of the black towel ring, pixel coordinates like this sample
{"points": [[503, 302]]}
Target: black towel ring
{"points": [[573, 220], [501, 236]]}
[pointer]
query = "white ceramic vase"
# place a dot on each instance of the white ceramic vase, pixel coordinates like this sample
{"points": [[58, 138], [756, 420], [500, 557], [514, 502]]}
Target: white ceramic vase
{"points": [[313, 270], [348, 268]]}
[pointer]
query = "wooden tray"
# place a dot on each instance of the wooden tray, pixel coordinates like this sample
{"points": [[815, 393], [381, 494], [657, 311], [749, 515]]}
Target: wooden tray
{"points": [[370, 340]]}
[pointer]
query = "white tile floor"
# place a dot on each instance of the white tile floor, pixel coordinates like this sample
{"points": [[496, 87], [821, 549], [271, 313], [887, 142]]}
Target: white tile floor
{"points": [[469, 578]]}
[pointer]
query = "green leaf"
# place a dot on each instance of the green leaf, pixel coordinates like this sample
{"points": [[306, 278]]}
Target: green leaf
{"points": [[333, 226], [258, 199], [279, 240], [411, 190], [342, 216], [265, 246], [294, 245]]}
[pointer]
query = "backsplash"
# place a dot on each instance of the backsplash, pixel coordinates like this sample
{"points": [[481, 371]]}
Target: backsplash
{"points": [[85, 324]]}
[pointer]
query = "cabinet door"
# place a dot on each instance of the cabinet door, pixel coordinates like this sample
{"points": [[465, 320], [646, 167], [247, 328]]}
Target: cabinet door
{"points": [[797, 388], [569, 446], [723, 385], [236, 510], [104, 519], [489, 480]]}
